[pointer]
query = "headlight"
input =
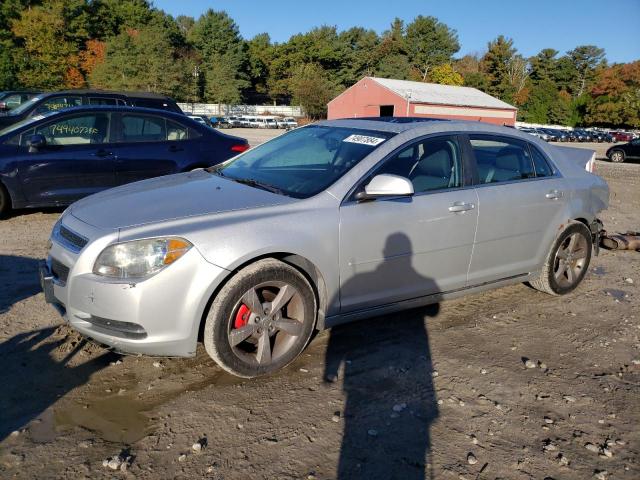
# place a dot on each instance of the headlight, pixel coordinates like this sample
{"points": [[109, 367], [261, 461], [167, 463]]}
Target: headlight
{"points": [[140, 258]]}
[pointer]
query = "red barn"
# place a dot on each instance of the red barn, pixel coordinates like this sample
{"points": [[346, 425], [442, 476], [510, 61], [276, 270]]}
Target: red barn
{"points": [[385, 97]]}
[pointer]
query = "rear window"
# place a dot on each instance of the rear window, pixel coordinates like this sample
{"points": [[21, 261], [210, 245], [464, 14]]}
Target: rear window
{"points": [[542, 167]]}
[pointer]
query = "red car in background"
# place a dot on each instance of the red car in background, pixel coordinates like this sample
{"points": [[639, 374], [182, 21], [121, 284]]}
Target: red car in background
{"points": [[621, 136]]}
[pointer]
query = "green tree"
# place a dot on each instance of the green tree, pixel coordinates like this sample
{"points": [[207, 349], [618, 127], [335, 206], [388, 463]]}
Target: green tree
{"points": [[260, 56], [429, 43], [585, 60], [390, 57], [546, 105], [358, 54], [111, 17], [495, 64], [311, 87], [445, 75], [217, 39], [544, 66], [144, 59], [45, 48]]}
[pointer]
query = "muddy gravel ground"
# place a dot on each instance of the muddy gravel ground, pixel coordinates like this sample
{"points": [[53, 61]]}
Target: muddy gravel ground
{"points": [[441, 392]]}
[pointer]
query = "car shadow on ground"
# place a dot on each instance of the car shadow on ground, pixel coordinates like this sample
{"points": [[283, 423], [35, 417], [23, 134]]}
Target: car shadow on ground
{"points": [[386, 371], [34, 379], [18, 280]]}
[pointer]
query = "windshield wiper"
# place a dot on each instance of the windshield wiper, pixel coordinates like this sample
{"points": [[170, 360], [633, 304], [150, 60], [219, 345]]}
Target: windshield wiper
{"points": [[255, 183]]}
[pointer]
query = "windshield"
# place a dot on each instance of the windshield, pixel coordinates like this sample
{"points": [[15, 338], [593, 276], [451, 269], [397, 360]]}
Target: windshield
{"points": [[26, 105], [304, 162], [22, 123]]}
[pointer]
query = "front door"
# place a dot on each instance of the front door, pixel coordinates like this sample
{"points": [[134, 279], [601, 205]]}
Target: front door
{"points": [[76, 161], [403, 248]]}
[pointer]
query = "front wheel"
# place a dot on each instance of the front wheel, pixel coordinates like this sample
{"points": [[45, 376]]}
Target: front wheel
{"points": [[617, 156], [567, 262], [261, 320]]}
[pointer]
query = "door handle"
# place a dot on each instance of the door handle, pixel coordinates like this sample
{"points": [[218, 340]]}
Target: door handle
{"points": [[554, 195], [102, 153], [461, 207], [175, 148]]}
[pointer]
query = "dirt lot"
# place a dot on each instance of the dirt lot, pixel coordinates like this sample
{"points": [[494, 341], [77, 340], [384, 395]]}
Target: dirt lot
{"points": [[441, 392]]}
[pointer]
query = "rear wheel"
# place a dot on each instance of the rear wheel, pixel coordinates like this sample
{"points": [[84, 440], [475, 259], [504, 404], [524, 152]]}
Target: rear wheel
{"points": [[261, 320], [567, 262], [5, 201], [617, 156]]}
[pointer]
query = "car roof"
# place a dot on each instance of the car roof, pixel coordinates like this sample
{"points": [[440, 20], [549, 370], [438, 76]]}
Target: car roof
{"points": [[428, 125], [119, 108], [149, 95]]}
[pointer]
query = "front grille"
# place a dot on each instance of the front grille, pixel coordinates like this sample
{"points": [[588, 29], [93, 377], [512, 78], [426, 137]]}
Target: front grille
{"points": [[60, 271], [72, 238]]}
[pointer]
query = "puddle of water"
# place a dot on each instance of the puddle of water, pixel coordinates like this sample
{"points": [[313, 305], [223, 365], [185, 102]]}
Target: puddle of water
{"points": [[118, 418], [600, 271], [126, 418]]}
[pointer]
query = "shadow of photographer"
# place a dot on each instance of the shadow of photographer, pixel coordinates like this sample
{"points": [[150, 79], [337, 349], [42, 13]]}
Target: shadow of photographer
{"points": [[387, 377]]}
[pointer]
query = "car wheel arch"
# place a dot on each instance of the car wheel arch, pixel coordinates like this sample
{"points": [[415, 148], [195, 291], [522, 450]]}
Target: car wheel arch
{"points": [[311, 272]]}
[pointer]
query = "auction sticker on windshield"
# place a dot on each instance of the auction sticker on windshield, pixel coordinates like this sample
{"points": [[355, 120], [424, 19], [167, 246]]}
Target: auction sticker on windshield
{"points": [[364, 140]]}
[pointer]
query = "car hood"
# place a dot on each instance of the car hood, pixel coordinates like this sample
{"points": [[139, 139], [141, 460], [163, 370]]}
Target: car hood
{"points": [[169, 198]]}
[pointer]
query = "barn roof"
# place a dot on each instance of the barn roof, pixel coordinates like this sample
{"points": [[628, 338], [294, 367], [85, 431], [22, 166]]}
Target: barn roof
{"points": [[434, 93]]}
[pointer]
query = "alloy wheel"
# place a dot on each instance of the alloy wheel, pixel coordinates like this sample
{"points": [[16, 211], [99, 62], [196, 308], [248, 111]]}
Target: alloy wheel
{"points": [[570, 260], [266, 322]]}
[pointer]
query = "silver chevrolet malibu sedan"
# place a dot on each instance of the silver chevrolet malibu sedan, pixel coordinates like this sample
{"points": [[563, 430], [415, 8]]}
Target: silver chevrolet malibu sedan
{"points": [[337, 221]]}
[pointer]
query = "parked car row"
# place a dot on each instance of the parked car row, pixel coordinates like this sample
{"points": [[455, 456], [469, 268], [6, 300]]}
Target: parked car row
{"points": [[263, 121], [575, 135]]}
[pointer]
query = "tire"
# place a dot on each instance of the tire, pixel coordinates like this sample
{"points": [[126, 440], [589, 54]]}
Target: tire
{"points": [[239, 328], [617, 156], [556, 278], [5, 201]]}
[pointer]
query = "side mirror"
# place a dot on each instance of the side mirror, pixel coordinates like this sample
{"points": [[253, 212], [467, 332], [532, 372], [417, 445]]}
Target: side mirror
{"points": [[36, 142], [386, 185]]}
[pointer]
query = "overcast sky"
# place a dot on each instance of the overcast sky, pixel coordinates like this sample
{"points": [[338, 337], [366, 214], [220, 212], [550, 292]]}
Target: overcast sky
{"points": [[561, 24]]}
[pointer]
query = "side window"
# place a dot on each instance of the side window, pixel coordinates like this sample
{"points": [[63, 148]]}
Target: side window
{"points": [[175, 131], [150, 103], [12, 101], [76, 130], [540, 163], [431, 164], [143, 128], [102, 101], [57, 103], [501, 159]]}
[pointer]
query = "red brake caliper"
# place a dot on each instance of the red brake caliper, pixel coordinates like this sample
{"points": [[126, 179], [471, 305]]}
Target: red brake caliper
{"points": [[242, 317]]}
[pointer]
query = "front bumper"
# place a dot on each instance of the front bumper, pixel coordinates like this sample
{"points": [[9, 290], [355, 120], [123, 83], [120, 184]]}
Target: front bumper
{"points": [[159, 315]]}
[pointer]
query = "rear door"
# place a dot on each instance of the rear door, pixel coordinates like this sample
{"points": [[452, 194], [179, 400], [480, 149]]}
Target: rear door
{"points": [[149, 146], [521, 199], [77, 161]]}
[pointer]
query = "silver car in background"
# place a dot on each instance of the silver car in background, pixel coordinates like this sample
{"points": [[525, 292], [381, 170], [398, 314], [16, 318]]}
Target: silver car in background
{"points": [[332, 222]]}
